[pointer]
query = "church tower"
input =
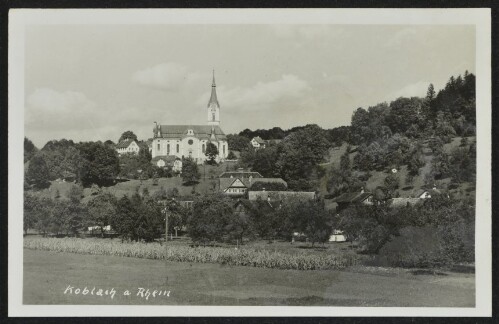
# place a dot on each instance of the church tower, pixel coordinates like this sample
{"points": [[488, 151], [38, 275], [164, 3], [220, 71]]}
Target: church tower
{"points": [[213, 106]]}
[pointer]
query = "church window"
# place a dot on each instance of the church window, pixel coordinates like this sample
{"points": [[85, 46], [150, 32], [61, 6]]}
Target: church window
{"points": [[178, 148], [159, 146], [224, 149], [213, 116], [204, 148], [167, 149]]}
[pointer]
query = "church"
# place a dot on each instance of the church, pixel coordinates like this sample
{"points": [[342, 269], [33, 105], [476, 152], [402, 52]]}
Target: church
{"points": [[183, 141]]}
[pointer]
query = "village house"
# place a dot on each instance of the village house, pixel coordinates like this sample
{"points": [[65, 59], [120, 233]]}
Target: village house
{"points": [[353, 198], [258, 142], [191, 141], [168, 161], [240, 174], [128, 146], [238, 186]]}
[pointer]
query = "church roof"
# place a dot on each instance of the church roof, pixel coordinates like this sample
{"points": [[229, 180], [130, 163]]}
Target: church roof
{"points": [[200, 131], [213, 97]]}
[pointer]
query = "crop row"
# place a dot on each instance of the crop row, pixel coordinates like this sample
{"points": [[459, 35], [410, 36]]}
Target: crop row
{"points": [[221, 255]]}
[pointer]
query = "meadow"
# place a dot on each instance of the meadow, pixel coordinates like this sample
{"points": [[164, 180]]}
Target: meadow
{"points": [[47, 274]]}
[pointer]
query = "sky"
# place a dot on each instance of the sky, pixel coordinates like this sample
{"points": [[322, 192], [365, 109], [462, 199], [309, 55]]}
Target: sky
{"points": [[93, 82]]}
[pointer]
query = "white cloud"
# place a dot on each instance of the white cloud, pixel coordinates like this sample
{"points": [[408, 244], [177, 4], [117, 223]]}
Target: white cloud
{"points": [[262, 95], [166, 76], [50, 106]]}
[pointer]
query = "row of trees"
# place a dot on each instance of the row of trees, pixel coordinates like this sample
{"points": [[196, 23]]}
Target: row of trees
{"points": [[214, 219], [453, 219]]}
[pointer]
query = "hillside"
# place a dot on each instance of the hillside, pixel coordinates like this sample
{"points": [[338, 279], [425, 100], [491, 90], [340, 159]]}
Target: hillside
{"points": [[377, 177]]}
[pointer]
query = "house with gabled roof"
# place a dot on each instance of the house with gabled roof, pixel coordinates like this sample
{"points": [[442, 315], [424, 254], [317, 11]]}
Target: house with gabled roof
{"points": [[258, 142], [240, 174], [128, 146], [237, 187], [353, 198]]}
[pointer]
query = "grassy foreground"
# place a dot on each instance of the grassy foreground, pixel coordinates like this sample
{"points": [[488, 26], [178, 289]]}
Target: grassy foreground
{"points": [[179, 253], [47, 274]]}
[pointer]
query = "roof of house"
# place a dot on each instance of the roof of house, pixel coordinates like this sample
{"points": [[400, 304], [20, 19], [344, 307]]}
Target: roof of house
{"points": [[431, 191], [250, 205], [166, 158], [228, 182], [352, 197], [259, 140], [240, 174], [200, 131], [125, 143], [400, 202], [280, 195]]}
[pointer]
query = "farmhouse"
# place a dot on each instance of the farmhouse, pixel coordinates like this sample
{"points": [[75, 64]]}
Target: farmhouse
{"points": [[281, 195], [238, 186], [128, 146], [191, 141], [258, 142], [349, 198], [240, 174]]}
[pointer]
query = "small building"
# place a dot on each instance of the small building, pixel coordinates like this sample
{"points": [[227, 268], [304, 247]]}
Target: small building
{"points": [[238, 186], [168, 161], [427, 193], [281, 195], [402, 202], [240, 174], [128, 146], [258, 142], [349, 198]]}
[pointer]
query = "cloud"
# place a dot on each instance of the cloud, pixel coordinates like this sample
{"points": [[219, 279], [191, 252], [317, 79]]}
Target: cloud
{"points": [[166, 76], [263, 95], [50, 106]]}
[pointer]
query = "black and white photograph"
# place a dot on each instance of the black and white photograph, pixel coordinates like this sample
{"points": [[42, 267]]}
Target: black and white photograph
{"points": [[321, 158]]}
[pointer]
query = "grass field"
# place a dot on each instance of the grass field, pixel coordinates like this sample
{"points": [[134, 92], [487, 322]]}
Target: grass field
{"points": [[48, 274]]}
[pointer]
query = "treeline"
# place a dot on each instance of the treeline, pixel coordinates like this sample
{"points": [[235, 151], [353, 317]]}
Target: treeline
{"points": [[141, 217], [452, 220], [86, 163], [295, 159]]}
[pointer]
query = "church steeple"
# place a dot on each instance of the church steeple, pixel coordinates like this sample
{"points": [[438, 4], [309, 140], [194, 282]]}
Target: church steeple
{"points": [[213, 105], [213, 97]]}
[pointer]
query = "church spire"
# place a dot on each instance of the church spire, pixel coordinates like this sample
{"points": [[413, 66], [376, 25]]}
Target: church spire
{"points": [[213, 98]]}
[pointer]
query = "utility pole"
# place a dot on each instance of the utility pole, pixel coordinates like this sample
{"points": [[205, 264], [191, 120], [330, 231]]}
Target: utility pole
{"points": [[165, 210]]}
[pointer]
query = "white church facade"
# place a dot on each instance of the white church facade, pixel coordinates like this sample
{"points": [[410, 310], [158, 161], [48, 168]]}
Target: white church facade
{"points": [[184, 141]]}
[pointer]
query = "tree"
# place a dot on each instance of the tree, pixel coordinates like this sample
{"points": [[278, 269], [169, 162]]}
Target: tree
{"points": [[29, 149], [101, 164], [30, 211], [313, 219], [210, 217], [190, 171], [101, 210], [37, 174], [237, 142], [127, 135], [211, 153], [345, 162], [231, 156]]}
